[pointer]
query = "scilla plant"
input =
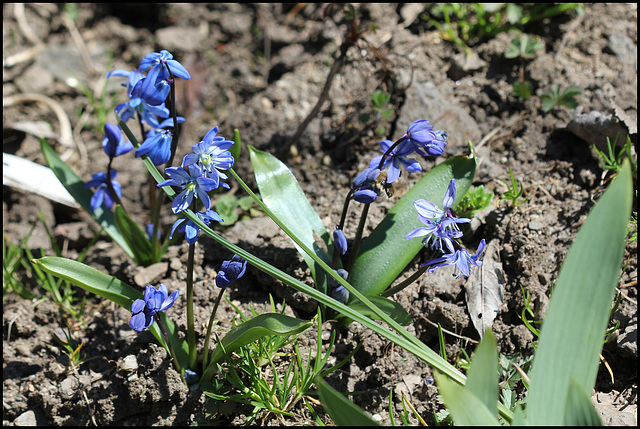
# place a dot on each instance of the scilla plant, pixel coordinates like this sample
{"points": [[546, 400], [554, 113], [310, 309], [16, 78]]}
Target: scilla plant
{"points": [[352, 278]]}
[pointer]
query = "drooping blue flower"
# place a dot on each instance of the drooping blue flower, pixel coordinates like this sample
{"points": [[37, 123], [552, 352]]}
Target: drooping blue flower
{"points": [[231, 271], [155, 300], [114, 143], [149, 114], [164, 59], [191, 229], [362, 186], [340, 240], [192, 183], [155, 87], [426, 142], [397, 158], [212, 155], [149, 231], [436, 234], [157, 145], [462, 260], [103, 193], [339, 292]]}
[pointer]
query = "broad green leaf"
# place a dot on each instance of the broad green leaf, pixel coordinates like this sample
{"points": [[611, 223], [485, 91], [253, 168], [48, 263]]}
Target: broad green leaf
{"points": [[282, 194], [342, 411], [386, 252], [251, 330], [106, 286], [465, 407], [74, 184], [575, 323], [135, 238], [390, 307], [482, 378], [580, 409]]}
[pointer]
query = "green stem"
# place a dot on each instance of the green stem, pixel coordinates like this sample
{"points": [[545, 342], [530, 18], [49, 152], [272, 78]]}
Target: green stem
{"points": [[415, 276], [205, 356], [167, 342], [191, 332]]}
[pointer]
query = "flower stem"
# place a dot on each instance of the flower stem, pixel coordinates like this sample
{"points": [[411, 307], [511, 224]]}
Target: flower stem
{"points": [[191, 332], [209, 327], [167, 342], [415, 276]]}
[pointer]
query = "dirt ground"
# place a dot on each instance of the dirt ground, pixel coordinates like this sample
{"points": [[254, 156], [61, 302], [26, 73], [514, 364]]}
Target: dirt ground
{"points": [[260, 69]]}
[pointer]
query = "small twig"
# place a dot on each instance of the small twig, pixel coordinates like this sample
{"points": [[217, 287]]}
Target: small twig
{"points": [[79, 42], [451, 333], [24, 26]]}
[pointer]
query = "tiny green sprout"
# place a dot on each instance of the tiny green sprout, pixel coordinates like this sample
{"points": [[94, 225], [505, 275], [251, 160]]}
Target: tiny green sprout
{"points": [[473, 201], [514, 192], [378, 100], [611, 161], [227, 205], [522, 90], [524, 47], [71, 348], [553, 97]]}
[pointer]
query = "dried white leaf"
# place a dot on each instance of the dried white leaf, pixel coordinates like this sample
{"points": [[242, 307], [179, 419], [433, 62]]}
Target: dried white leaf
{"points": [[485, 290], [31, 177]]}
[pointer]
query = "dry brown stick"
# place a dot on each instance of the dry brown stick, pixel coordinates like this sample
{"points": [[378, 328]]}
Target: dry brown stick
{"points": [[323, 96]]}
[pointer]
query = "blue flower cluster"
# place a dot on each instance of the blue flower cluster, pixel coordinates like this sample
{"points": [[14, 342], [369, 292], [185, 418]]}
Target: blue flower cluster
{"points": [[441, 232], [155, 300], [206, 164]]}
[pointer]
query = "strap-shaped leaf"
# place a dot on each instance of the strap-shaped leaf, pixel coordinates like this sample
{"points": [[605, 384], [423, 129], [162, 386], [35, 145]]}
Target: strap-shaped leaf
{"points": [[251, 330], [386, 252], [580, 409], [391, 308], [575, 323], [106, 286], [282, 194], [74, 184], [342, 411], [135, 238], [482, 378], [465, 407]]}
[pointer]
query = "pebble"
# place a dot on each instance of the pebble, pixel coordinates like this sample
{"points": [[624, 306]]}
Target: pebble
{"points": [[28, 418], [129, 363]]}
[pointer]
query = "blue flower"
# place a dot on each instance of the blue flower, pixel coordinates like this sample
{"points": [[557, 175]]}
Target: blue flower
{"points": [[155, 300], [437, 233], [212, 155], [426, 142], [190, 228], [462, 260], [395, 159], [155, 87], [192, 183], [231, 271], [164, 59], [103, 193], [114, 143], [149, 114], [149, 231], [340, 240], [362, 186], [157, 145]]}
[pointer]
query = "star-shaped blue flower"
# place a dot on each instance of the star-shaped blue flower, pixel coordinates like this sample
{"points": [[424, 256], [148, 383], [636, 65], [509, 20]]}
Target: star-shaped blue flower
{"points": [[103, 193], [462, 260], [192, 183], [114, 143], [155, 300], [212, 155], [157, 145]]}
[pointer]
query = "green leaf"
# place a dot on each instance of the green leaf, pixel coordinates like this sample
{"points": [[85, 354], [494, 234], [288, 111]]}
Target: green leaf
{"points": [[391, 308], [575, 323], [482, 378], [135, 238], [342, 411], [465, 407], [251, 330], [282, 194], [74, 184], [386, 252], [106, 286], [580, 409]]}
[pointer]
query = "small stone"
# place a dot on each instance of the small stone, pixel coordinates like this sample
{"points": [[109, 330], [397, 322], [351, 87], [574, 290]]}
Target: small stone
{"points": [[129, 363], [151, 274], [28, 418]]}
